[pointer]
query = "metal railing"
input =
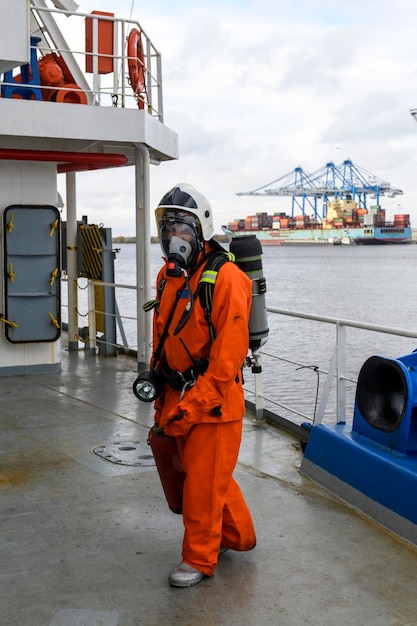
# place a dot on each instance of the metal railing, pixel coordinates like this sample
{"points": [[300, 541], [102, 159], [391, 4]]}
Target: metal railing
{"points": [[101, 73], [335, 375], [93, 341]]}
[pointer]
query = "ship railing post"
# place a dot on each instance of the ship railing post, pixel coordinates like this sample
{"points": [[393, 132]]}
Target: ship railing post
{"points": [[341, 372], [92, 343], [326, 389], [259, 398], [123, 69], [96, 75]]}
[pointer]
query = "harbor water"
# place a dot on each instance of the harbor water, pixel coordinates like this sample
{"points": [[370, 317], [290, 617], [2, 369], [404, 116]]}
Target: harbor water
{"points": [[371, 284]]}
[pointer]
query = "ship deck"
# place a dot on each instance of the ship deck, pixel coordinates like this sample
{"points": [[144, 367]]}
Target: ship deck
{"points": [[89, 541]]}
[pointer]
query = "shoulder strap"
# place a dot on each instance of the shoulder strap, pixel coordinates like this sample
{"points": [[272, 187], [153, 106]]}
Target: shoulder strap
{"points": [[154, 304], [158, 351], [207, 283]]}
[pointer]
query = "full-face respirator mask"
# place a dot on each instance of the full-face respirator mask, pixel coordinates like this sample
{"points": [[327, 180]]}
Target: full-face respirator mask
{"points": [[181, 241]]}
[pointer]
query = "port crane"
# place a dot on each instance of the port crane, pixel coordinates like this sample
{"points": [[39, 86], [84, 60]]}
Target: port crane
{"points": [[308, 191]]}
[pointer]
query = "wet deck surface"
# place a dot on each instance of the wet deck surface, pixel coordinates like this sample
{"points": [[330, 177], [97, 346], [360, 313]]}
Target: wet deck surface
{"points": [[86, 541]]}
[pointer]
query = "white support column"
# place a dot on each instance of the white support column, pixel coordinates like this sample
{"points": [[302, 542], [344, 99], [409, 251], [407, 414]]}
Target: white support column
{"points": [[72, 262], [143, 255]]}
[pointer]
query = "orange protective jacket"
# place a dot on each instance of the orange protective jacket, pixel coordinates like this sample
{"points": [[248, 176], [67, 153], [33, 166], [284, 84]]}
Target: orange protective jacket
{"points": [[217, 396]]}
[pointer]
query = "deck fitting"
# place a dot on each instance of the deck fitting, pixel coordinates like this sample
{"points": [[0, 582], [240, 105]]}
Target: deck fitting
{"points": [[133, 453]]}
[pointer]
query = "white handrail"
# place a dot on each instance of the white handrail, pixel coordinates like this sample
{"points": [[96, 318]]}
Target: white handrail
{"points": [[114, 90], [343, 322], [336, 374]]}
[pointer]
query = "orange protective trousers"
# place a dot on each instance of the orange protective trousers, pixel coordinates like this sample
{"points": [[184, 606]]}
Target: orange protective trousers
{"points": [[214, 510]]}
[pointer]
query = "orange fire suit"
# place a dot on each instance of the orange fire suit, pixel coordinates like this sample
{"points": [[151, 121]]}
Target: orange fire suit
{"points": [[207, 420]]}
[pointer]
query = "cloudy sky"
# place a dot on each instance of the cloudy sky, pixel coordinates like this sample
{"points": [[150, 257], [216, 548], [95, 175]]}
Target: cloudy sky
{"points": [[255, 88]]}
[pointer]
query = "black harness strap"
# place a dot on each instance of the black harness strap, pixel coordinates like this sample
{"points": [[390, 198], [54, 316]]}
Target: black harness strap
{"points": [[207, 284], [160, 346]]}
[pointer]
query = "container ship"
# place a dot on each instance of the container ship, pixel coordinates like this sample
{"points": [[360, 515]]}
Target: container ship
{"points": [[345, 223]]}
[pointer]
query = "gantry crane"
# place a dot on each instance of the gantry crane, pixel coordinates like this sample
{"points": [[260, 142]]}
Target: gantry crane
{"points": [[346, 180]]}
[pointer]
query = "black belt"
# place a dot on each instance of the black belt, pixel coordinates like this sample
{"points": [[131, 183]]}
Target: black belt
{"points": [[178, 380]]}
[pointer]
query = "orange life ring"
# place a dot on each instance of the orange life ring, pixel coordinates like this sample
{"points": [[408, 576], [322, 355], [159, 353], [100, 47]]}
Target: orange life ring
{"points": [[136, 62]]}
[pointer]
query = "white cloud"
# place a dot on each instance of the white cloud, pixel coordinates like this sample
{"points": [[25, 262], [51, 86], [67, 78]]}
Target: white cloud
{"points": [[256, 88]]}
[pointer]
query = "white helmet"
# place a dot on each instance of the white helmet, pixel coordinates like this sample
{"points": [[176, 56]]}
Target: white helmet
{"points": [[187, 200]]}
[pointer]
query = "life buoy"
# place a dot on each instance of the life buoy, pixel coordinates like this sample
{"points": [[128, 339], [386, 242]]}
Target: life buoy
{"points": [[136, 63]]}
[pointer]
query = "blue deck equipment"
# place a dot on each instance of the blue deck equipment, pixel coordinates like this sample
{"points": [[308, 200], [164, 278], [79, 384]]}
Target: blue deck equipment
{"points": [[28, 87], [373, 464]]}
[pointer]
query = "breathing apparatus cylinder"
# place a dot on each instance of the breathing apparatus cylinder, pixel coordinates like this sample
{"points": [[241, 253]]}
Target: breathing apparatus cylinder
{"points": [[248, 255]]}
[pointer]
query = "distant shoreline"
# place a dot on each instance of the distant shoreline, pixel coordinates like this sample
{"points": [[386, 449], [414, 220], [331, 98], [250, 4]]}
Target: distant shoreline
{"points": [[220, 238], [121, 239]]}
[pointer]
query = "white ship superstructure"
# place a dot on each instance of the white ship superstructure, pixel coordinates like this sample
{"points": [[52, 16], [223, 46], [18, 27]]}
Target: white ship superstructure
{"points": [[92, 101]]}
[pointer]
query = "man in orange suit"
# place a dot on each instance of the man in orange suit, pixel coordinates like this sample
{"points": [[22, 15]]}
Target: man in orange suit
{"points": [[202, 403]]}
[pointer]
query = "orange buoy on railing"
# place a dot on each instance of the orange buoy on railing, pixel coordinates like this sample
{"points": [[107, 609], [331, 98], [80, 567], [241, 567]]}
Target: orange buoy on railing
{"points": [[136, 64]]}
